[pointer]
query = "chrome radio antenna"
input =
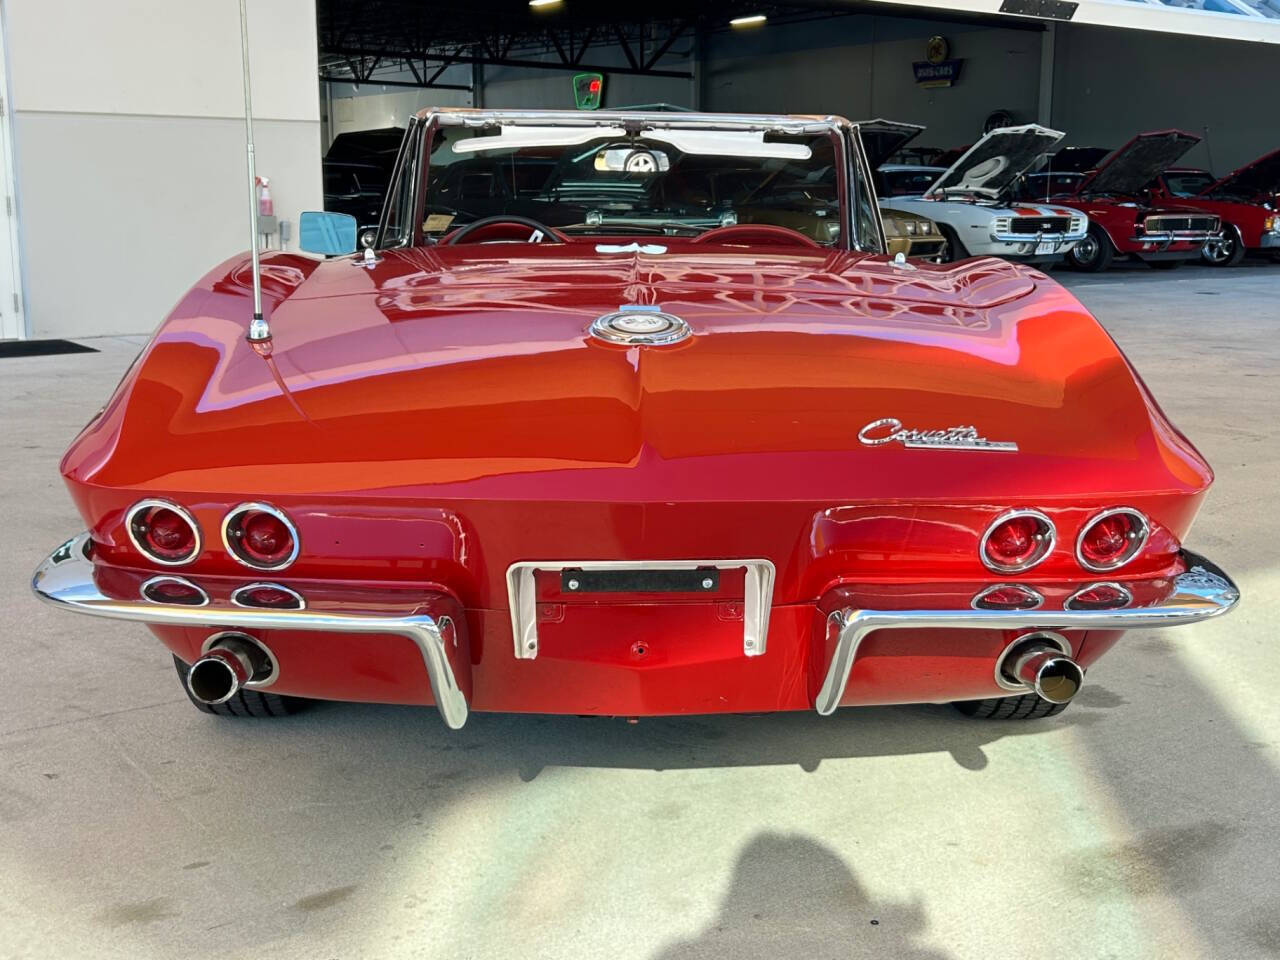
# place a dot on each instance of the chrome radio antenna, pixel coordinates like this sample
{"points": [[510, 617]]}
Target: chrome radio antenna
{"points": [[259, 329]]}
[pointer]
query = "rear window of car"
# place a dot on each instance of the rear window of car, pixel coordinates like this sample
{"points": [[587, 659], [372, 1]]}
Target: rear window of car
{"points": [[902, 183], [1187, 184]]}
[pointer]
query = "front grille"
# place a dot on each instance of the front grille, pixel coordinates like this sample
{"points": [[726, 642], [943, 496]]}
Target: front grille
{"points": [[926, 248], [1168, 224], [1033, 225]]}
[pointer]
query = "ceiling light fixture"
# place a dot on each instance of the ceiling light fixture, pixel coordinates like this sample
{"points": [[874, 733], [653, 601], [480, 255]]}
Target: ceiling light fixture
{"points": [[754, 20]]}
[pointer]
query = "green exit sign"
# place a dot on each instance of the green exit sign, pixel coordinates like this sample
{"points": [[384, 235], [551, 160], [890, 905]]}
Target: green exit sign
{"points": [[588, 90]]}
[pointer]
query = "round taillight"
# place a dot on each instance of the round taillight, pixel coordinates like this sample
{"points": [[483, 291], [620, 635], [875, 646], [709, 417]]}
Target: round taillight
{"points": [[260, 536], [1111, 539], [1099, 596], [163, 531], [1017, 541], [1008, 596], [174, 590], [267, 596]]}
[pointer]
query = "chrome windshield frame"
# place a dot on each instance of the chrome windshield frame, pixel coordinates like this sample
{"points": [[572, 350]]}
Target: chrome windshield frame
{"points": [[844, 133]]}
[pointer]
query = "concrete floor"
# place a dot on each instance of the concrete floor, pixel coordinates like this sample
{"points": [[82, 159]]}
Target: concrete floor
{"points": [[1141, 823]]}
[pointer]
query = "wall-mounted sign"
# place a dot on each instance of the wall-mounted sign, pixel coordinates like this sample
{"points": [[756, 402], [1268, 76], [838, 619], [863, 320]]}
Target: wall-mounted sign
{"points": [[936, 69], [588, 91]]}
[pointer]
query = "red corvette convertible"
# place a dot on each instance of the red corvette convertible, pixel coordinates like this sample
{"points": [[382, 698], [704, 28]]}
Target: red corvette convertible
{"points": [[566, 438]]}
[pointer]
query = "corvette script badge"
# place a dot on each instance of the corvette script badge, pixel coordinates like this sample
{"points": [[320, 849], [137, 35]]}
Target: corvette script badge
{"points": [[949, 438]]}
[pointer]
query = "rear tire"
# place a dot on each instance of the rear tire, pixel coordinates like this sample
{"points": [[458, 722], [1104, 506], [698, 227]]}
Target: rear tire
{"points": [[246, 703], [1094, 253], [1026, 707]]}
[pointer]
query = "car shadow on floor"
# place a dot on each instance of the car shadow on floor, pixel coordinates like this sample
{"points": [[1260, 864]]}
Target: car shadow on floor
{"points": [[531, 743], [790, 896]]}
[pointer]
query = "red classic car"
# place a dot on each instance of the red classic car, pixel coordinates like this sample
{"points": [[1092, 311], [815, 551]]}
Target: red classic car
{"points": [[1124, 220], [607, 452], [1247, 200]]}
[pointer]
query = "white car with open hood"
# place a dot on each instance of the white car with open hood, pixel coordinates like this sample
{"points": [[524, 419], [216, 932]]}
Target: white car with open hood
{"points": [[972, 200]]}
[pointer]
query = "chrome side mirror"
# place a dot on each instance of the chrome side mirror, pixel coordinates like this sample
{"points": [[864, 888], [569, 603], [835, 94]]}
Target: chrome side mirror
{"points": [[331, 234]]}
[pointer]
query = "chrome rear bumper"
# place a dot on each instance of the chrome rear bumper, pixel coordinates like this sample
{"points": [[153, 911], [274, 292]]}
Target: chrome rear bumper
{"points": [[1200, 593], [65, 579]]}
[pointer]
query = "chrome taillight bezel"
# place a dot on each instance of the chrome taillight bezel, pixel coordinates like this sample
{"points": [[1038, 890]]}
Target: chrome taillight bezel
{"points": [[1047, 544], [255, 506], [153, 503], [1135, 547], [1125, 595], [1030, 592], [238, 601], [170, 578]]}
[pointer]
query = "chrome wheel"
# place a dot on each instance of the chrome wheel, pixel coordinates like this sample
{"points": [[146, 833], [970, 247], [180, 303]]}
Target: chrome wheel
{"points": [[1217, 249], [1086, 250], [1225, 250]]}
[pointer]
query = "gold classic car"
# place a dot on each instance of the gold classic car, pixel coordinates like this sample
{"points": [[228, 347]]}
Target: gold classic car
{"points": [[912, 235]]}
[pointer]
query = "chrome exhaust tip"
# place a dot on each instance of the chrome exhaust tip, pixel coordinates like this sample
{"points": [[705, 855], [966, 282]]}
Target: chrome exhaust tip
{"points": [[225, 668], [1048, 671]]}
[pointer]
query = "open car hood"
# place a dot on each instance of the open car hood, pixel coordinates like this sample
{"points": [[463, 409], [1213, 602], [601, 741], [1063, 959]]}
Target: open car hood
{"points": [[994, 163], [1128, 170], [883, 138], [1257, 179]]}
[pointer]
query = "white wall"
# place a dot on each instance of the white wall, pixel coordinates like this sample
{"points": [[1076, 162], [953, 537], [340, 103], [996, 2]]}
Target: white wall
{"points": [[389, 107], [129, 138]]}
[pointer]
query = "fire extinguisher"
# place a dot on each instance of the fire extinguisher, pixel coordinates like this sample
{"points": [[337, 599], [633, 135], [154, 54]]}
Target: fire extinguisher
{"points": [[265, 207]]}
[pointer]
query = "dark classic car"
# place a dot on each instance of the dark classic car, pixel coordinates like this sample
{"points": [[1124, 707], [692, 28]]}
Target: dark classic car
{"points": [[1125, 220], [644, 460], [1247, 200], [357, 189], [357, 167]]}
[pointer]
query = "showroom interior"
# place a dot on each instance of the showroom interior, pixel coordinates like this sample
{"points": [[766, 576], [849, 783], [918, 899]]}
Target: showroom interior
{"points": [[167, 99], [1139, 824]]}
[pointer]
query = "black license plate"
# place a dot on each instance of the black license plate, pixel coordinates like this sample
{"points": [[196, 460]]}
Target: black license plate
{"points": [[640, 581]]}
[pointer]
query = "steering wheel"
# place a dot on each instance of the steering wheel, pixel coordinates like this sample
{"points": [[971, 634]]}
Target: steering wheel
{"points": [[539, 232], [759, 232]]}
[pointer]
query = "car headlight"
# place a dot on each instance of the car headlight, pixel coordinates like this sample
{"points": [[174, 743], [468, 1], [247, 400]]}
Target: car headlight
{"points": [[911, 228], [1271, 225], [926, 226], [891, 228]]}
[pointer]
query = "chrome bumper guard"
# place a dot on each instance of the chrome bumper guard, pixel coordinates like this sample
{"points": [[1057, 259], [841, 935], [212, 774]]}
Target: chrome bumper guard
{"points": [[1037, 238], [1200, 593], [65, 580], [1176, 236]]}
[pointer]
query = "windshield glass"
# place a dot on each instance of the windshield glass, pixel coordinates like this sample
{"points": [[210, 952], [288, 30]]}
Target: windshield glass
{"points": [[1188, 184], [677, 182], [911, 182]]}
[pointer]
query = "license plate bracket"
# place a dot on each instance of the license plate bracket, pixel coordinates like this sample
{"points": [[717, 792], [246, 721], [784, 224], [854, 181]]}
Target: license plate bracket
{"points": [[755, 577]]}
